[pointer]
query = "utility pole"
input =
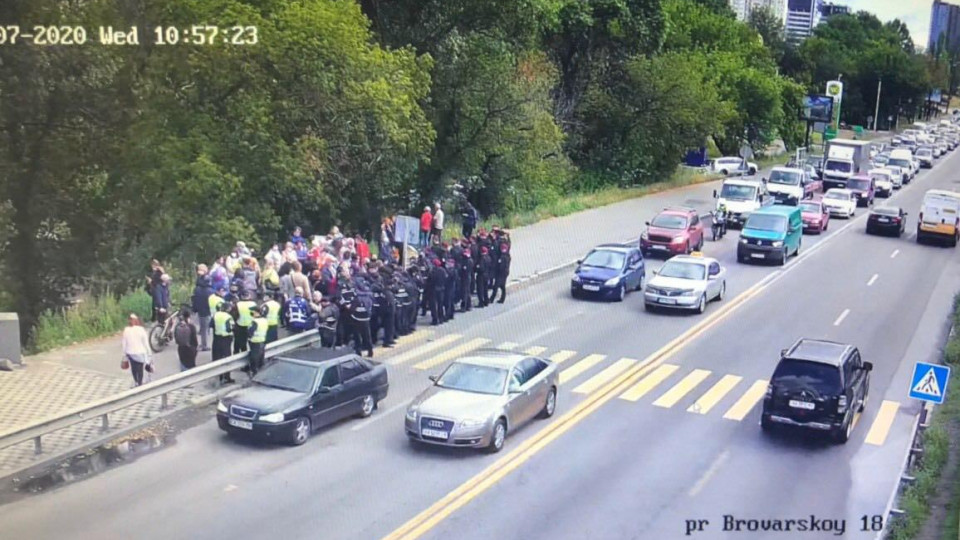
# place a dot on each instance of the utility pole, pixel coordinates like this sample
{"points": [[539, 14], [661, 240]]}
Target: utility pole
{"points": [[876, 115]]}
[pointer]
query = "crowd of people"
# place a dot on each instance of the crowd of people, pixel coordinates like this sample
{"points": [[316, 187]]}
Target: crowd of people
{"points": [[334, 285]]}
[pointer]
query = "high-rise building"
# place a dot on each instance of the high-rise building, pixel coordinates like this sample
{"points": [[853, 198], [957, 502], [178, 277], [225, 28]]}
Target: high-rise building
{"points": [[802, 17], [743, 8], [944, 27], [828, 10]]}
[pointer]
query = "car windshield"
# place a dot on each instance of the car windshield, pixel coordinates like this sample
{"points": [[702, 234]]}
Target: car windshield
{"points": [[924, 152], [669, 221], [899, 163], [813, 208], [287, 376], [766, 222], [799, 374], [882, 158], [604, 259], [473, 378], [683, 270], [837, 196], [858, 183], [738, 193], [784, 178], [839, 166]]}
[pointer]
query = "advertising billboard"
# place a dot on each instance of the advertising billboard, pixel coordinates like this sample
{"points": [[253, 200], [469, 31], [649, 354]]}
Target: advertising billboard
{"points": [[817, 108]]}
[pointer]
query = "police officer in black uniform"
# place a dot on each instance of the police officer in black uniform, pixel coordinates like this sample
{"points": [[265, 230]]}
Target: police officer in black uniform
{"points": [[452, 284], [329, 321], [388, 314], [415, 287], [347, 296], [435, 289], [361, 309], [503, 272], [466, 280], [483, 277]]}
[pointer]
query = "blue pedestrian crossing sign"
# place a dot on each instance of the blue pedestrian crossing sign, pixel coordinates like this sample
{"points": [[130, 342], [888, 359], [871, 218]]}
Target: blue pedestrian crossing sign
{"points": [[929, 382]]}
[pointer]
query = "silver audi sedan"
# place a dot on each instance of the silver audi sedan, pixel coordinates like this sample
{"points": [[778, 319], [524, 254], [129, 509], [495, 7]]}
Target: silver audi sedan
{"points": [[478, 399]]}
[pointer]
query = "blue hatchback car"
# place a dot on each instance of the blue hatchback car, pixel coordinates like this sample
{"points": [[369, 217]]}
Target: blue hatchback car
{"points": [[609, 271]]}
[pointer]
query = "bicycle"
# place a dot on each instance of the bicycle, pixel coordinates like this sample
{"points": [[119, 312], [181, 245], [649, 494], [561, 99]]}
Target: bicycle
{"points": [[162, 332]]}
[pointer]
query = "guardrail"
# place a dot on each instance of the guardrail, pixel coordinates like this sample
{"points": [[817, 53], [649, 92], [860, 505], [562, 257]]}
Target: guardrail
{"points": [[158, 388], [912, 459]]}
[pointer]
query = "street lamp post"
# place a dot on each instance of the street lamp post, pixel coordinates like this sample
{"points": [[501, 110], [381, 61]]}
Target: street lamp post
{"points": [[876, 114]]}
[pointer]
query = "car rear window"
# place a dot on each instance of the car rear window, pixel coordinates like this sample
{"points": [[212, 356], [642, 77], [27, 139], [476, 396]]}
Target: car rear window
{"points": [[799, 374], [669, 221]]}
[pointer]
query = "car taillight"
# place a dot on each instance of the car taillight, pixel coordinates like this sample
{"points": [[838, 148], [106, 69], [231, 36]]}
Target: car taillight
{"points": [[896, 220], [920, 217], [842, 404], [769, 393]]}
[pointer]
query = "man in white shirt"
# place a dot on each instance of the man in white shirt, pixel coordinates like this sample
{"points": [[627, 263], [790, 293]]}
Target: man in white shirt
{"points": [[437, 223]]}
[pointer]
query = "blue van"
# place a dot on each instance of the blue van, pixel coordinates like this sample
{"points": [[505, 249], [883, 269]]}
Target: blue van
{"points": [[771, 233]]}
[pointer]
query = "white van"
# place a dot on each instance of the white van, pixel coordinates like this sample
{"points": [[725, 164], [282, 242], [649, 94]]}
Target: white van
{"points": [[939, 217]]}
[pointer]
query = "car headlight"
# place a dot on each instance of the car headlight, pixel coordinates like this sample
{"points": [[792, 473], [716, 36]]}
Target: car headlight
{"points": [[471, 423], [677, 240], [777, 244], [221, 407], [644, 236], [576, 278], [689, 292], [612, 282], [744, 241], [272, 418], [412, 414]]}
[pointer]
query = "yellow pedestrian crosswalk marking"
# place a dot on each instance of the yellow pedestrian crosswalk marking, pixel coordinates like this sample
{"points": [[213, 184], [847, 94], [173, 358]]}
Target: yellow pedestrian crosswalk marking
{"points": [[423, 349], [604, 376], [583, 365], [560, 357], [882, 423], [747, 402], [459, 350], [713, 396], [682, 388], [649, 382], [535, 351], [508, 346]]}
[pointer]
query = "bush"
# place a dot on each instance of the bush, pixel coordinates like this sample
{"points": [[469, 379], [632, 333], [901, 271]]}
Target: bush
{"points": [[94, 317]]}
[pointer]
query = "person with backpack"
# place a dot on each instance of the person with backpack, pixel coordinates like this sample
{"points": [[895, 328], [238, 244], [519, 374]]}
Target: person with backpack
{"points": [[185, 334]]}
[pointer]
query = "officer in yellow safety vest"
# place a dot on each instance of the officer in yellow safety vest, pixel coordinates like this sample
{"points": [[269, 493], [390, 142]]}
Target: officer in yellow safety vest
{"points": [[222, 336], [258, 340], [244, 316], [273, 318]]}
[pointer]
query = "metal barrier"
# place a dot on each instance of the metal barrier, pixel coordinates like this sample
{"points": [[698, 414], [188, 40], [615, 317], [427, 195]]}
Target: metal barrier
{"points": [[159, 388]]}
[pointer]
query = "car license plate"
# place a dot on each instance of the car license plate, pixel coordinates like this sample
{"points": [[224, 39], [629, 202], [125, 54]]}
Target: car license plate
{"points": [[757, 255], [434, 433], [802, 405], [591, 287], [666, 301], [240, 423], [884, 220], [661, 248]]}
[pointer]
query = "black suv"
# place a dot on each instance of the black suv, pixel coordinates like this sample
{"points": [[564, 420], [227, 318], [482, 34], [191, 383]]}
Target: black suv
{"points": [[818, 385]]}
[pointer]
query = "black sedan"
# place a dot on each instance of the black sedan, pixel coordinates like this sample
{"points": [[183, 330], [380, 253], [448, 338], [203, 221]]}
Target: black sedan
{"points": [[296, 394], [888, 220]]}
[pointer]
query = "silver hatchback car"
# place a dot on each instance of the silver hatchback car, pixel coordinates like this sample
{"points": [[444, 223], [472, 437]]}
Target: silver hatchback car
{"points": [[479, 398]]}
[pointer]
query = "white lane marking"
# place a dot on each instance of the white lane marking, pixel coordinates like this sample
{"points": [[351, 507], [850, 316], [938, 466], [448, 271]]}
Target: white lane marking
{"points": [[895, 253], [373, 419], [873, 279], [712, 470], [841, 317], [230, 487]]}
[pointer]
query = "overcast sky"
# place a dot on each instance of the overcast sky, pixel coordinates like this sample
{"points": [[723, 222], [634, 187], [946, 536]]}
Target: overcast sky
{"points": [[916, 13]]}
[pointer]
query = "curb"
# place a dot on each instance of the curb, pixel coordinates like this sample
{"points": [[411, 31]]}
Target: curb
{"points": [[38, 466]]}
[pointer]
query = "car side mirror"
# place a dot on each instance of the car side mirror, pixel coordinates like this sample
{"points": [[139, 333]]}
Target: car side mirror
{"points": [[647, 223], [579, 261], [868, 366], [514, 389], [323, 390], [433, 378], [655, 272], [764, 179], [783, 352]]}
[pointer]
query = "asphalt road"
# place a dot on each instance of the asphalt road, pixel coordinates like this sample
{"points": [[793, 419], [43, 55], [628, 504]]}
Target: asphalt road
{"points": [[604, 466]]}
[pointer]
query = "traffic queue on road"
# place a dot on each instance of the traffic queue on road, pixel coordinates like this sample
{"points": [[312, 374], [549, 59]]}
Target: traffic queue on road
{"points": [[483, 395]]}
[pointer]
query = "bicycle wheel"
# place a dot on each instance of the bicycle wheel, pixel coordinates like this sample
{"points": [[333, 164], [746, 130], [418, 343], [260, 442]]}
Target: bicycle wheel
{"points": [[157, 340]]}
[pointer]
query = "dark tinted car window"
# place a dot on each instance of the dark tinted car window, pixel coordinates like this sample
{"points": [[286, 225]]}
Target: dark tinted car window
{"points": [[287, 376], [351, 369], [331, 377], [799, 374], [531, 367]]}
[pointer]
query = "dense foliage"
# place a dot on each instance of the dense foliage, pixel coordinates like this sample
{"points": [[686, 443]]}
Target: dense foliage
{"points": [[349, 110]]}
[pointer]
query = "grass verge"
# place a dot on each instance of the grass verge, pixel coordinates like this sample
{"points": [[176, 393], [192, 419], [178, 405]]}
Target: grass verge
{"points": [[935, 441], [94, 317]]}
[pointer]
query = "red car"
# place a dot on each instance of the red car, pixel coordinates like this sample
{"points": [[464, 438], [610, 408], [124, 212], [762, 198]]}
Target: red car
{"points": [[816, 216], [673, 231]]}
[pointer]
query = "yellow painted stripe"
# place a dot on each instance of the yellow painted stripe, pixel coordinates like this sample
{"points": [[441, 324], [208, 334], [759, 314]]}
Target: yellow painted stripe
{"points": [[682, 388], [562, 356], [586, 363], [459, 350], [882, 423], [649, 382], [713, 396], [416, 337], [534, 351], [423, 349], [604, 376], [747, 401], [508, 346]]}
